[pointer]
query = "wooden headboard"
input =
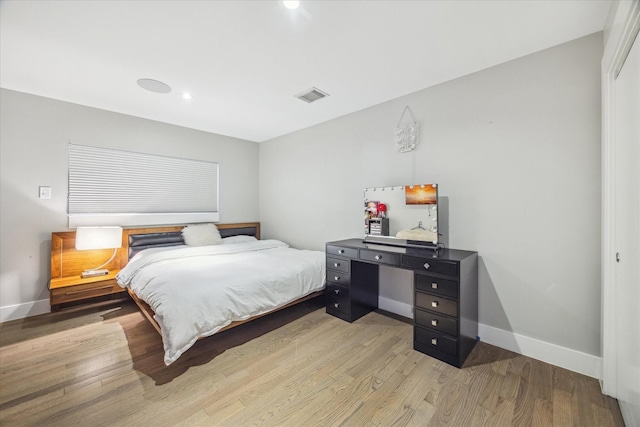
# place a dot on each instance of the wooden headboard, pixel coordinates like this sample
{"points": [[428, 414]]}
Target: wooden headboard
{"points": [[67, 261]]}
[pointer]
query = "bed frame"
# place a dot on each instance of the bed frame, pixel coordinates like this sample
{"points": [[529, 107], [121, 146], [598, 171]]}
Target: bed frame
{"points": [[136, 239]]}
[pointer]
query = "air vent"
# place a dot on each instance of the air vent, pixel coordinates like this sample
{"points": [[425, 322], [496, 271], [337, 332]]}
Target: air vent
{"points": [[311, 95]]}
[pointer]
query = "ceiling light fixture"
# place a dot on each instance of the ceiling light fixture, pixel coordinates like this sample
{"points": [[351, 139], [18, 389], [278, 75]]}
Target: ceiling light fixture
{"points": [[154, 86], [291, 4], [186, 95]]}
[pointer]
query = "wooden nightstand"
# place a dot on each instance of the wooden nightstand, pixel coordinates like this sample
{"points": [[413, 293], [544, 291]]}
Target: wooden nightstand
{"points": [[67, 263], [75, 288]]}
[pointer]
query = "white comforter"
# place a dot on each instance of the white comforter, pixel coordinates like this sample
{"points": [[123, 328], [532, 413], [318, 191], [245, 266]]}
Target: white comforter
{"points": [[196, 291]]}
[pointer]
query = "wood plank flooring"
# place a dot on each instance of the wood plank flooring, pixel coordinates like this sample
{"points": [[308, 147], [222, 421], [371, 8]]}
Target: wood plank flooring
{"points": [[102, 365]]}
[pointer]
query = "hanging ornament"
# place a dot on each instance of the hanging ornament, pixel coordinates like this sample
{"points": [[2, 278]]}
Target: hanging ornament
{"points": [[407, 133]]}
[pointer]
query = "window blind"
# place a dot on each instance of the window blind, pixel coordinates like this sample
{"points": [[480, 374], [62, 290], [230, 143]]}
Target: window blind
{"points": [[115, 187]]}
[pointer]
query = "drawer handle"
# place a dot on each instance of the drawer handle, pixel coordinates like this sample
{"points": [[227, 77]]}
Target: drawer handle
{"points": [[434, 303], [426, 266], [88, 290], [336, 264], [336, 305], [340, 251], [378, 257], [434, 322], [434, 341], [434, 285], [337, 291], [336, 278]]}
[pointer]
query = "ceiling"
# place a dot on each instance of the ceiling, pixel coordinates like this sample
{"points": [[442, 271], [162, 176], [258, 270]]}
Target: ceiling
{"points": [[244, 61]]}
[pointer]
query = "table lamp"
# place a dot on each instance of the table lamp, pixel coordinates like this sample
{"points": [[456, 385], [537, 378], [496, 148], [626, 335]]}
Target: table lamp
{"points": [[91, 238]]}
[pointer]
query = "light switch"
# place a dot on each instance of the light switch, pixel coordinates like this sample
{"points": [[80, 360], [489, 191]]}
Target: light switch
{"points": [[45, 192]]}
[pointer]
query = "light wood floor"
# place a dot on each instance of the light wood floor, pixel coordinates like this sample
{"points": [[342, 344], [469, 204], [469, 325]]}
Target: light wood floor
{"points": [[103, 365]]}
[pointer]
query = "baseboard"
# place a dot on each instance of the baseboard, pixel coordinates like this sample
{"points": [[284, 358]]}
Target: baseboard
{"points": [[576, 361], [20, 311], [630, 413], [396, 307], [563, 357]]}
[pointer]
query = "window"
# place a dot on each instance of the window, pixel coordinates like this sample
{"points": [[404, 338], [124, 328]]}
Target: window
{"points": [[115, 187]]}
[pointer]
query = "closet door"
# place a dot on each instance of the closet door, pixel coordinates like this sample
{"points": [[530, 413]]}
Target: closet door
{"points": [[627, 234]]}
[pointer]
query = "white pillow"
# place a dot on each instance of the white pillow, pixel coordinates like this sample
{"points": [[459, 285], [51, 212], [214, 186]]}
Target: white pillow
{"points": [[238, 239], [201, 235]]}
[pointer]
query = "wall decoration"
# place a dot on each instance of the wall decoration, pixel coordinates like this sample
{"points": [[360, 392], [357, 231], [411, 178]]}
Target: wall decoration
{"points": [[407, 133]]}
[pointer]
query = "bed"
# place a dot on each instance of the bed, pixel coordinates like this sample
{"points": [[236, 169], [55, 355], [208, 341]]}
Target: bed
{"points": [[190, 292]]}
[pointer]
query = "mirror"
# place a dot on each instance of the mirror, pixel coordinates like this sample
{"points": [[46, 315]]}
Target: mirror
{"points": [[402, 215]]}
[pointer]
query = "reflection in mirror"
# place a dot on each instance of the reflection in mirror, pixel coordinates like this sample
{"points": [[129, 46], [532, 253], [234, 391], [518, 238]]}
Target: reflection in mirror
{"points": [[402, 215]]}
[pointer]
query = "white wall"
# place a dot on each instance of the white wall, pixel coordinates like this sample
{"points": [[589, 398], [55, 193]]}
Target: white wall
{"points": [[34, 134], [515, 150]]}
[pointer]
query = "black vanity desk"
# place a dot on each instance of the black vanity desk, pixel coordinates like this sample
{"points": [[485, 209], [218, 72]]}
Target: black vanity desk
{"points": [[445, 289]]}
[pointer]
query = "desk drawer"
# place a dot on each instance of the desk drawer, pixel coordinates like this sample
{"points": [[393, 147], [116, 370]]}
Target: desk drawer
{"points": [[338, 277], [342, 251], [450, 268], [337, 299], [437, 303], [379, 257], [443, 324], [338, 264], [435, 340], [435, 285]]}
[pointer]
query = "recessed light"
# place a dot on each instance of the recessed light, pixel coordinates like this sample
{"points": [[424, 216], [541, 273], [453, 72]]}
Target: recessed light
{"points": [[154, 86], [291, 4], [186, 95]]}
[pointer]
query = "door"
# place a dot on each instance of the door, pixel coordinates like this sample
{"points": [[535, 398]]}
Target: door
{"points": [[627, 234]]}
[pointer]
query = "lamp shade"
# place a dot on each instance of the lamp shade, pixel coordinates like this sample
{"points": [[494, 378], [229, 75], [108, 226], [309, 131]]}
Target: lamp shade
{"points": [[98, 238]]}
